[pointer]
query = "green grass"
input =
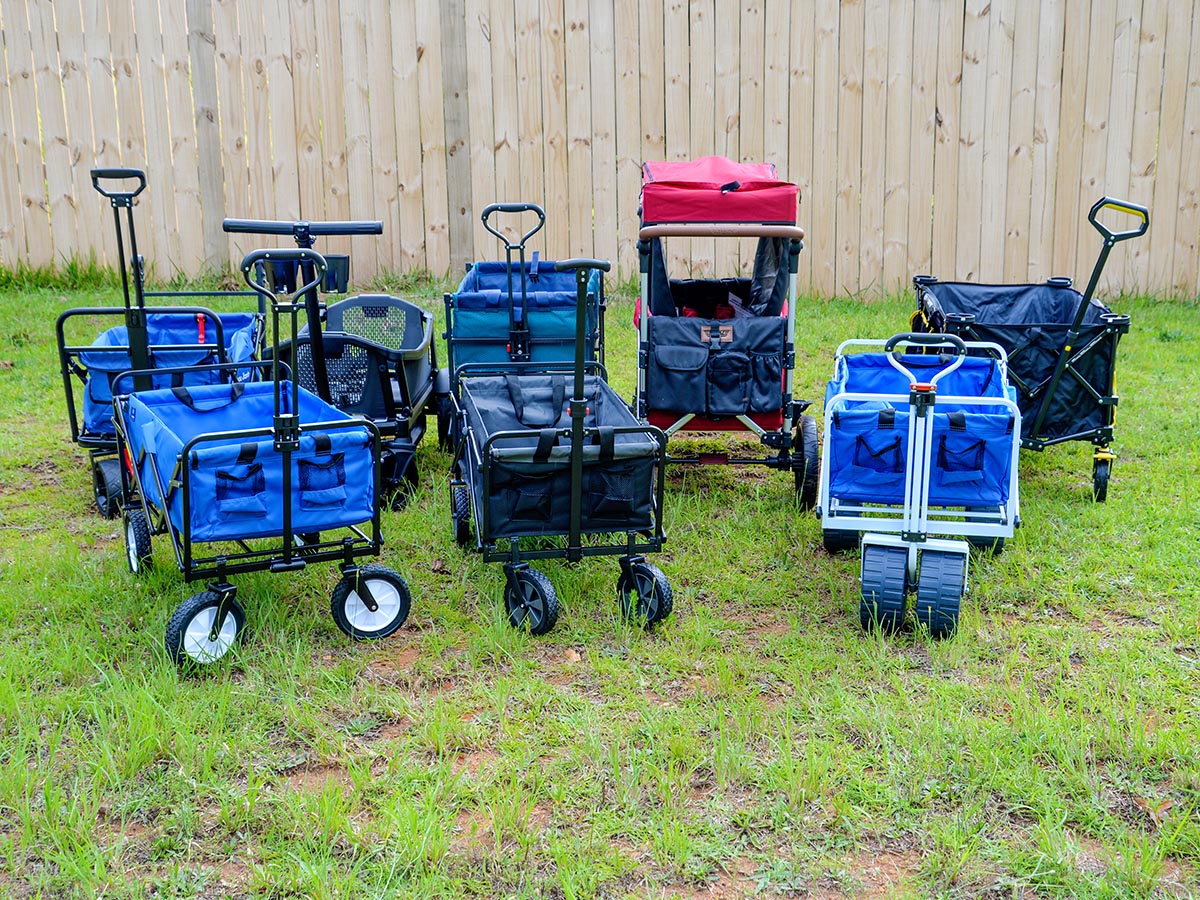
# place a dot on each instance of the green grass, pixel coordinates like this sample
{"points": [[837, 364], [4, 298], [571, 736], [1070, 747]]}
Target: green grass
{"points": [[756, 744]]}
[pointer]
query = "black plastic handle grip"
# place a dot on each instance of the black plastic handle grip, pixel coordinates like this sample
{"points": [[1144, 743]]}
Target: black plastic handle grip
{"points": [[318, 229], [118, 174], [494, 208], [1124, 206], [567, 265], [291, 254], [914, 337]]}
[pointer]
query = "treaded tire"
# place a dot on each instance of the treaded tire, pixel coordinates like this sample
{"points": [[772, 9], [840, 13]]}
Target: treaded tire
{"points": [[646, 599], [187, 632], [106, 478], [137, 540], [835, 540], [351, 614], [939, 592], [1101, 472], [884, 577], [445, 423], [807, 468], [536, 606], [460, 515]]}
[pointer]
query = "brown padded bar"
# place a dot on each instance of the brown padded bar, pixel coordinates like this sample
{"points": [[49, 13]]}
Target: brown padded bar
{"points": [[721, 229]]}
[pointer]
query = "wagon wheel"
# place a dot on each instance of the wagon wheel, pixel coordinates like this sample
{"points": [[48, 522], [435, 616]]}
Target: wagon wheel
{"points": [[445, 423], [189, 633], [646, 598], [884, 585], [534, 604], [806, 462], [939, 591], [992, 545], [1101, 470], [137, 541], [390, 594], [460, 515], [837, 541], [106, 478]]}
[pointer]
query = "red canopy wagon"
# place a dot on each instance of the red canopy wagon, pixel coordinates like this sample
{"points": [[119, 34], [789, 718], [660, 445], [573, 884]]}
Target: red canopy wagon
{"points": [[717, 354]]}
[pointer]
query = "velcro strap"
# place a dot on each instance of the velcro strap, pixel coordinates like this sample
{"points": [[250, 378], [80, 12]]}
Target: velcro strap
{"points": [[606, 437], [547, 438], [514, 394], [887, 418], [322, 443], [958, 420], [246, 455]]}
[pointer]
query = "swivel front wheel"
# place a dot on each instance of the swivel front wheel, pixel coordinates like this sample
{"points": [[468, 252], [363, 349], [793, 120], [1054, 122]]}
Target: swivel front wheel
{"points": [[646, 597], [137, 540], [531, 602], [372, 585], [190, 634]]}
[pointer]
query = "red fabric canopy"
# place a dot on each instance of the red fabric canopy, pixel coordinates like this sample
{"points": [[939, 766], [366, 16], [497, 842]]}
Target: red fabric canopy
{"points": [[716, 189]]}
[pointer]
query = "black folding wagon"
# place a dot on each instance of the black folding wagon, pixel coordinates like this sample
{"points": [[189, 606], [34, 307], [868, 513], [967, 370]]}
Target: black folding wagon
{"points": [[1061, 345]]}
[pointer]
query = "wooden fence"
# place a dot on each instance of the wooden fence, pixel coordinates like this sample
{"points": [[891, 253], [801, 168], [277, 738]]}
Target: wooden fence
{"points": [[967, 139]]}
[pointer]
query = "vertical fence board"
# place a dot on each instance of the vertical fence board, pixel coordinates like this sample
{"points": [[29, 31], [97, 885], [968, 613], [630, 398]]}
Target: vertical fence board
{"points": [[335, 180], [702, 37], [875, 141], [1045, 141], [1187, 223], [994, 158], [1070, 130], [946, 151], [922, 137], [261, 195], [822, 238], [604, 130], [726, 111], [502, 30], [306, 86], [529, 84], [52, 117], [68, 20], [581, 198], [285, 174], [1176, 51], [407, 102], [677, 111], [185, 159], [458, 136], [231, 112], [160, 171], [751, 146], [554, 119], [364, 250], [35, 207], [1120, 122], [102, 98], [972, 122], [1143, 152], [897, 136], [1095, 128], [433, 138], [202, 58], [849, 144], [1021, 139], [629, 130], [481, 104], [385, 185], [13, 250]]}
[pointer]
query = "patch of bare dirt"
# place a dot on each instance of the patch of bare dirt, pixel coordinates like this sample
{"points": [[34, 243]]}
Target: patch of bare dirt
{"points": [[734, 882], [474, 761], [883, 873]]}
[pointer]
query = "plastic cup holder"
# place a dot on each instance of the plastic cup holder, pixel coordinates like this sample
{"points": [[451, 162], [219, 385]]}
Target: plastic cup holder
{"points": [[281, 275], [337, 276]]}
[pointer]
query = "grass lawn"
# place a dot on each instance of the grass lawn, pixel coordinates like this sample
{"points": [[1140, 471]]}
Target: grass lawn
{"points": [[756, 744]]}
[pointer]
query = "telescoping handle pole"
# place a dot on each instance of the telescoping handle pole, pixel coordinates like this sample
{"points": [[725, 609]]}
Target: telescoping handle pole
{"points": [[578, 405], [518, 326], [135, 315]]}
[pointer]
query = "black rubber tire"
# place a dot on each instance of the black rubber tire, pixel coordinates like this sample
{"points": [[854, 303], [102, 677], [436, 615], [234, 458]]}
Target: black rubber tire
{"points": [[807, 462], [186, 649], [137, 540], [1101, 472], [648, 598], [445, 423], [884, 586], [401, 486], [834, 540], [351, 614], [460, 515], [536, 607], [994, 546], [939, 592], [106, 479]]}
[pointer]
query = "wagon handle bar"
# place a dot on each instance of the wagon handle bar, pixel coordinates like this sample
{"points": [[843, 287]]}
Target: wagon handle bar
{"points": [[513, 208], [296, 254], [118, 174], [568, 265], [316, 229], [926, 339], [1133, 209]]}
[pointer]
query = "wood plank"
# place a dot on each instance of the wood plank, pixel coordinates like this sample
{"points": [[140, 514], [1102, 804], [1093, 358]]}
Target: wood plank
{"points": [[306, 99], [1021, 138], [677, 112], [458, 136], [505, 106], [185, 159], [1120, 124], [629, 133], [1095, 132], [31, 171], [973, 121], [52, 117], [256, 84], [822, 223], [1187, 222], [946, 151], [12, 226], [202, 58], [231, 115], [726, 112], [1044, 157], [285, 177], [578, 87], [923, 125], [897, 125], [875, 138], [530, 84], [751, 112], [408, 140], [335, 177], [1144, 144], [1070, 130], [385, 184], [68, 23], [849, 145], [994, 185], [554, 123], [1170, 145], [433, 139], [800, 125], [158, 217], [604, 129], [363, 250], [106, 138], [481, 108], [702, 103]]}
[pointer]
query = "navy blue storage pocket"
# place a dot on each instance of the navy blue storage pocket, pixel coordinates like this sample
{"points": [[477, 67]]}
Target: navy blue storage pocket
{"points": [[675, 378], [728, 383], [323, 483], [530, 499], [241, 492], [960, 459], [610, 494]]}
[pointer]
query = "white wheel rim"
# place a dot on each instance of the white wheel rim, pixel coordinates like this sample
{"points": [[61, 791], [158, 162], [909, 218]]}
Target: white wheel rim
{"points": [[196, 643], [131, 546], [362, 619]]}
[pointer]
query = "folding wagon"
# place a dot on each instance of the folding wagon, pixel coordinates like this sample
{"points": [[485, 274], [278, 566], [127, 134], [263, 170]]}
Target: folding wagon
{"points": [[265, 473], [718, 354], [179, 337], [550, 463], [918, 445], [1061, 345]]}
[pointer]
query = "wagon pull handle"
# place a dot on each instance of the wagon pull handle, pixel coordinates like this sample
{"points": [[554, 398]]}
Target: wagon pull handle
{"points": [[1124, 206], [928, 340], [494, 208], [297, 255], [118, 174]]}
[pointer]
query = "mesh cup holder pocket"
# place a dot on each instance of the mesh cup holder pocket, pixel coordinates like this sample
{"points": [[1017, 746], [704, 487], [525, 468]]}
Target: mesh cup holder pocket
{"points": [[323, 482], [610, 494], [528, 498], [766, 389], [728, 383], [241, 492], [879, 463], [960, 460]]}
